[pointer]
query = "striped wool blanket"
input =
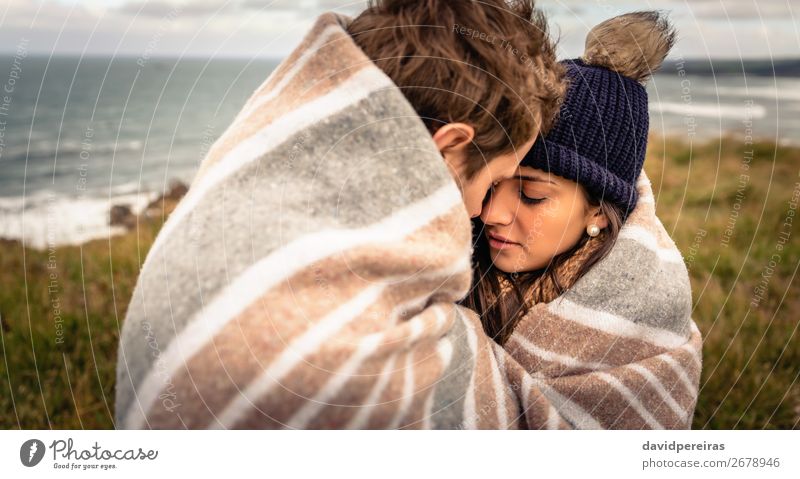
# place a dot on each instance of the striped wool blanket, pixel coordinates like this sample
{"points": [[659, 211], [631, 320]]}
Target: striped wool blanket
{"points": [[309, 277], [618, 350]]}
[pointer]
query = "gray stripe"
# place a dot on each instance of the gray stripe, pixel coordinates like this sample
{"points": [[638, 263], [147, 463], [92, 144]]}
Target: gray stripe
{"points": [[347, 171], [451, 389], [632, 282]]}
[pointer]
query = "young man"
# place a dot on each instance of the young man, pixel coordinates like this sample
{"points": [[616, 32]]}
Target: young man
{"points": [[309, 277]]}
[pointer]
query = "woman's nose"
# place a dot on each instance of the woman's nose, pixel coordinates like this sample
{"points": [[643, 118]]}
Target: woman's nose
{"points": [[496, 210]]}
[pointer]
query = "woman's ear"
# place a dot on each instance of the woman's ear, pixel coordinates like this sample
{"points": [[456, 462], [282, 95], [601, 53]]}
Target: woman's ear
{"points": [[595, 216]]}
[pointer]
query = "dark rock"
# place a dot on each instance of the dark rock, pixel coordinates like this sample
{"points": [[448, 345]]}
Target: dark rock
{"points": [[164, 204], [177, 190], [121, 215]]}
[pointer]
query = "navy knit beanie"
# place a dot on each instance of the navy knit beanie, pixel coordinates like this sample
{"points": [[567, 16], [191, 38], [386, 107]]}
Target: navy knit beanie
{"points": [[600, 137]]}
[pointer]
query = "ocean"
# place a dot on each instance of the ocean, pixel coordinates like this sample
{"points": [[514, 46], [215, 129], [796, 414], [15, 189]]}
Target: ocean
{"points": [[78, 136]]}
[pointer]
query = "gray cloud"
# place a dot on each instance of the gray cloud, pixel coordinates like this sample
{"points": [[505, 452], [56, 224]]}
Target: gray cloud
{"points": [[273, 27]]}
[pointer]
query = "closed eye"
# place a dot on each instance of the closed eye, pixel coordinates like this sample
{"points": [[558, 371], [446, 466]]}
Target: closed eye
{"points": [[529, 200]]}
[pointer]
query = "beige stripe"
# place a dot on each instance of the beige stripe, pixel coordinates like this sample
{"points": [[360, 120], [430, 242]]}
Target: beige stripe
{"points": [[510, 411], [406, 396], [500, 392], [428, 371], [323, 23], [680, 373], [568, 364], [535, 409], [306, 296], [653, 397], [315, 371], [632, 396], [578, 405], [389, 402], [488, 395], [237, 353], [470, 420], [344, 375], [365, 410], [318, 77], [587, 346]]}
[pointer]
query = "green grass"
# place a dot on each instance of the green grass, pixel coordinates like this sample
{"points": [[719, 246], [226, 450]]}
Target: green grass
{"points": [[52, 380], [751, 354]]}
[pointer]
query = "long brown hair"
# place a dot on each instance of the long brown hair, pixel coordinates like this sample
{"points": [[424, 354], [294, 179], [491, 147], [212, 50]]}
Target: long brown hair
{"points": [[502, 299]]}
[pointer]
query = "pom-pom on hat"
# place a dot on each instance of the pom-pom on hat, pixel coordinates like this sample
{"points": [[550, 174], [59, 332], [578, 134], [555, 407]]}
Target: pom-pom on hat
{"points": [[600, 137]]}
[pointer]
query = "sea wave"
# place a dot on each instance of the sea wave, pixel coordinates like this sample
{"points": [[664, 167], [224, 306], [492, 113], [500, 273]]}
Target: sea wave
{"points": [[711, 110], [48, 150], [48, 219], [770, 92]]}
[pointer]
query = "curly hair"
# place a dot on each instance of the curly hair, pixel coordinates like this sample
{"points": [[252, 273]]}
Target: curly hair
{"points": [[490, 64]]}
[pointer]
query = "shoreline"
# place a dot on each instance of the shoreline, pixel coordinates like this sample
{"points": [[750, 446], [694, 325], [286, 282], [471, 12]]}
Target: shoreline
{"points": [[46, 220]]}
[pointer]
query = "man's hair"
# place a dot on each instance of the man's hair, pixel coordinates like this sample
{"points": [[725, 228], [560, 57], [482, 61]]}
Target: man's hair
{"points": [[488, 63]]}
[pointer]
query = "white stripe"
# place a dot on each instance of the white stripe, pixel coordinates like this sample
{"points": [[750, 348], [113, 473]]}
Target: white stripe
{"points": [[407, 394], [570, 362], [612, 324], [301, 62], [552, 418], [470, 419], [696, 354], [658, 386], [444, 349], [632, 400], [648, 200], [359, 421], [461, 265], [497, 382], [646, 239], [680, 372], [366, 348], [643, 181], [568, 409], [270, 271], [351, 91], [313, 406], [694, 327], [441, 318], [294, 353], [688, 347]]}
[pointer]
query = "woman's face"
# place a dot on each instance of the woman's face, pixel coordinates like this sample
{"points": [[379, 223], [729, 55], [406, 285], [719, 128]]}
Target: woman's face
{"points": [[533, 217]]}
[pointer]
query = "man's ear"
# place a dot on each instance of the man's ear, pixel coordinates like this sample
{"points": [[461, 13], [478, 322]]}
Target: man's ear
{"points": [[452, 140], [453, 137]]}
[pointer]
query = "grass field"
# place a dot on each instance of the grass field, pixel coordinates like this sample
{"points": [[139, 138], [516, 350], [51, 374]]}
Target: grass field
{"points": [[62, 310]]}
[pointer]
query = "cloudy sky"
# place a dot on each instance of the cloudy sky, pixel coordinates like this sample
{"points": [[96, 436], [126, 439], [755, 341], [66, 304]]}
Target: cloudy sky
{"points": [[271, 28]]}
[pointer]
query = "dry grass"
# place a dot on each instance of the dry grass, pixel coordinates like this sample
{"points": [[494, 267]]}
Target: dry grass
{"points": [[751, 354]]}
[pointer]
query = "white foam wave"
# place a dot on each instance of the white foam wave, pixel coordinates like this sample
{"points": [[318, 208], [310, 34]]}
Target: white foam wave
{"points": [[711, 110], [47, 219]]}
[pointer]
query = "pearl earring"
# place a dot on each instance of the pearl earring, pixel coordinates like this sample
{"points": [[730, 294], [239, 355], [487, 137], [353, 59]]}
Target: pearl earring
{"points": [[593, 230]]}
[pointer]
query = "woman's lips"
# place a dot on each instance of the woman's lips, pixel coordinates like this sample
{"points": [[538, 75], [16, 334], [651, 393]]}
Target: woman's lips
{"points": [[499, 242]]}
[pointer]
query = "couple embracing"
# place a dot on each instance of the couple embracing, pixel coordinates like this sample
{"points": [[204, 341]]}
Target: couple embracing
{"points": [[410, 227]]}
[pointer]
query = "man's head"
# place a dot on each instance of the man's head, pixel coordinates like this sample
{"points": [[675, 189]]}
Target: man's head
{"points": [[482, 75]]}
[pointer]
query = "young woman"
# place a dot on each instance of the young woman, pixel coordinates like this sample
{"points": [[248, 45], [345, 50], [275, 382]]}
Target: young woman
{"points": [[574, 275]]}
